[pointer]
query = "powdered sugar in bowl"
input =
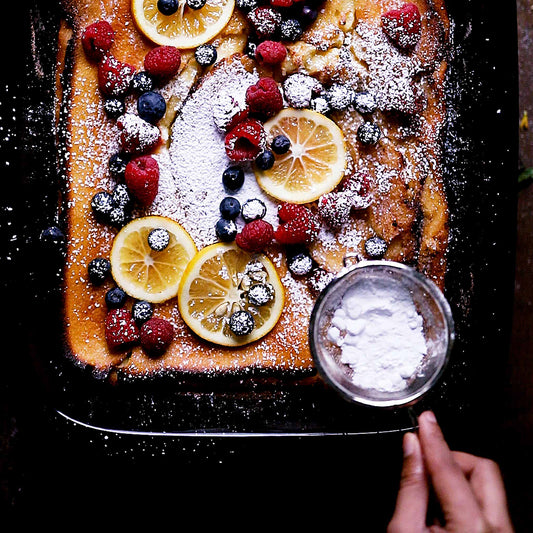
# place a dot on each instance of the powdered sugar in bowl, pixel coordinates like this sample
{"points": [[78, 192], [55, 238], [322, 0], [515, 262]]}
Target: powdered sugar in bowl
{"points": [[381, 334]]}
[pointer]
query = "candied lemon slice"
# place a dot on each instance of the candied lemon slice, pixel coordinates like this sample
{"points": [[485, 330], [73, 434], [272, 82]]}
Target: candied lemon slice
{"points": [[216, 284], [315, 162], [186, 28], [148, 274]]}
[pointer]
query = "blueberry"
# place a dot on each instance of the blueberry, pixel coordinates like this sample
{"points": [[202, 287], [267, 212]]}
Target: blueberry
{"points": [[375, 247], [368, 133], [158, 239], [280, 144], [300, 264], [321, 105], [114, 107], [233, 178], [142, 82], [121, 196], [265, 160], [364, 102], [339, 97], [308, 14], [230, 208], [115, 298], [260, 294], [205, 55], [196, 4], [52, 236], [168, 7], [291, 30], [226, 230], [246, 5], [98, 270], [118, 216], [241, 323], [142, 311], [151, 106], [102, 204], [253, 209], [117, 165], [250, 49]]}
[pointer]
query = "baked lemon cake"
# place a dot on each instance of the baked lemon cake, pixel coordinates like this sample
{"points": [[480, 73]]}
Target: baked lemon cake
{"points": [[223, 157]]}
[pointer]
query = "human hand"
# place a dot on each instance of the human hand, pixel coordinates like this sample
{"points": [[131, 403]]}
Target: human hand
{"points": [[469, 489]]}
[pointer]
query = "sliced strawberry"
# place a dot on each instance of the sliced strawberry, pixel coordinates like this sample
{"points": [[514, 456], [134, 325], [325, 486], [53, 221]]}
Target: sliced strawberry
{"points": [[121, 331], [403, 26], [142, 178], [244, 141]]}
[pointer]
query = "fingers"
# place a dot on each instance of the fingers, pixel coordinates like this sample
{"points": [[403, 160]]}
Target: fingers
{"points": [[458, 502], [412, 499]]}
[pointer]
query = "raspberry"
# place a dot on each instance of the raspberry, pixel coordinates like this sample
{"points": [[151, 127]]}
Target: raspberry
{"points": [[403, 26], [358, 187], [334, 208], [300, 225], [281, 3], [136, 135], [270, 53], [142, 178], [156, 335], [121, 332], [265, 21], [264, 98], [243, 142], [114, 77], [255, 236], [97, 39], [162, 62]]}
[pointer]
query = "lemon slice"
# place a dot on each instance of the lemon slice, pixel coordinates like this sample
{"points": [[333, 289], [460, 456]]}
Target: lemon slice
{"points": [[218, 283], [144, 273], [186, 28], [315, 162]]}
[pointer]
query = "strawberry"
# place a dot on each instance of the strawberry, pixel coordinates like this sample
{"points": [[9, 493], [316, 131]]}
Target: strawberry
{"points": [[121, 332], [403, 26], [299, 225], [255, 236], [136, 135], [142, 178], [156, 335], [244, 141], [97, 39], [114, 77]]}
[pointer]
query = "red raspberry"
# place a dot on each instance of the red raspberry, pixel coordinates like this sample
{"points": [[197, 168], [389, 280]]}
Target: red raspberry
{"points": [[114, 76], [300, 225], [162, 62], [403, 26], [265, 21], [270, 53], [281, 3], [255, 236], [264, 98], [142, 178], [136, 135], [156, 335], [97, 39], [121, 331], [334, 208], [244, 141]]}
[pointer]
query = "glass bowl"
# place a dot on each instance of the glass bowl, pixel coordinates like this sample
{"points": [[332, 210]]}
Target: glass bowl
{"points": [[431, 313]]}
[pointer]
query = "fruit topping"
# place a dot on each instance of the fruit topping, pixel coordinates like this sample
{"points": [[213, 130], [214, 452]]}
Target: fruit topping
{"points": [[241, 323], [114, 107], [403, 26], [368, 133], [114, 77], [253, 209], [195, 4], [117, 165], [244, 141], [97, 39], [255, 236], [226, 229], [260, 294], [115, 298], [121, 331], [270, 53], [142, 82], [334, 208], [168, 7], [205, 55], [339, 96], [142, 311], [233, 178], [156, 335], [300, 88], [136, 135], [300, 264], [162, 62], [364, 103], [142, 179], [151, 106], [299, 225], [280, 144], [228, 112], [230, 208], [158, 239], [265, 21], [265, 160], [264, 98], [291, 30], [98, 270], [375, 247]]}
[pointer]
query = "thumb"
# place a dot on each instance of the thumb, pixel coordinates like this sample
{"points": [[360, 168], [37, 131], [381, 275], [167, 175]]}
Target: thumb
{"points": [[412, 500]]}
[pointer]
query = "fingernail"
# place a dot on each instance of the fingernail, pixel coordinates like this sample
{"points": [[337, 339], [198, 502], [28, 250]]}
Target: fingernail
{"points": [[429, 416], [409, 444]]}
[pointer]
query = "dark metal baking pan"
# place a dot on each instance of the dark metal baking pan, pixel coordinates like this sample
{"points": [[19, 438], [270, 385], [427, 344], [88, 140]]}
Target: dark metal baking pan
{"points": [[481, 154]]}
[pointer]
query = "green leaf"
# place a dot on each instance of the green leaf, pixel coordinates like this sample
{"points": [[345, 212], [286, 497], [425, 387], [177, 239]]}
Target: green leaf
{"points": [[525, 175]]}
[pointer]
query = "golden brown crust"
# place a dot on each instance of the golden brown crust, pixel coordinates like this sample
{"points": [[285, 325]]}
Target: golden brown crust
{"points": [[411, 214]]}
